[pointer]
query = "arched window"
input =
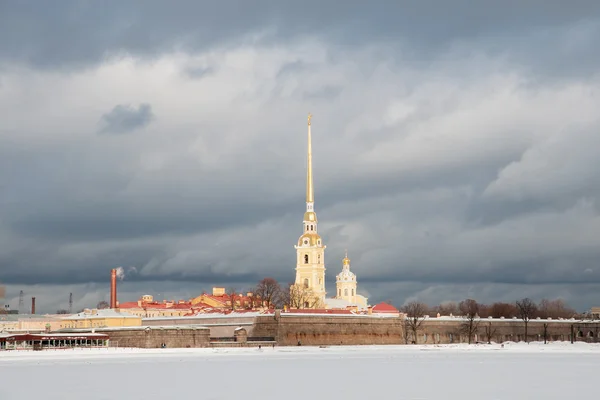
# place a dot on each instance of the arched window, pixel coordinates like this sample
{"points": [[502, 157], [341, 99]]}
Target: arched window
{"points": [[345, 292], [352, 292], [306, 283], [319, 259], [306, 259]]}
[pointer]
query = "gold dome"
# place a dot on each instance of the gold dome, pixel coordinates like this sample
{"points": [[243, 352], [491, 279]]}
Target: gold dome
{"points": [[310, 216], [311, 239], [346, 260]]}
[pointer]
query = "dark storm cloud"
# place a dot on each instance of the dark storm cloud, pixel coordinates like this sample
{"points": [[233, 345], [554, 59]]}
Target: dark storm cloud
{"points": [[126, 118], [462, 189], [75, 33]]}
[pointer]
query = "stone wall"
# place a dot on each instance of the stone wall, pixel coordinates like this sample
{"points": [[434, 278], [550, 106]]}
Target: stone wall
{"points": [[147, 337], [219, 326], [312, 330], [317, 330], [443, 330]]}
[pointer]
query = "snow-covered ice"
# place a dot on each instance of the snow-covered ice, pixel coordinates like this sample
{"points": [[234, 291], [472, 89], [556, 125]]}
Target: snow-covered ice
{"points": [[516, 371]]}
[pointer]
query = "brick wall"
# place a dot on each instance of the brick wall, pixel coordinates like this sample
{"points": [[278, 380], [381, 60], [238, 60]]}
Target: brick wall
{"points": [[288, 330], [154, 337], [219, 326], [501, 330]]}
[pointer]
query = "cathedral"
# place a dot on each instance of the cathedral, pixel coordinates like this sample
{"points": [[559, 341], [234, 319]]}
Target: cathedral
{"points": [[309, 289]]}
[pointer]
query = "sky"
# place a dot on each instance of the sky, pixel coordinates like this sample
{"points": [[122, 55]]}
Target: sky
{"points": [[454, 147]]}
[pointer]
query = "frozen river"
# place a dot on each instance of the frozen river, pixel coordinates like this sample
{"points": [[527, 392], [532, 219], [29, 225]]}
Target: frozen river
{"points": [[517, 371]]}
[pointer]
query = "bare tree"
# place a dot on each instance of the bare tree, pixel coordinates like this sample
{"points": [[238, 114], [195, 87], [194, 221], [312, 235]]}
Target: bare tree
{"points": [[554, 309], [103, 305], [302, 297], [233, 295], [505, 310], [267, 291], [527, 310], [446, 308], [469, 310], [490, 331], [545, 332], [415, 315], [406, 330]]}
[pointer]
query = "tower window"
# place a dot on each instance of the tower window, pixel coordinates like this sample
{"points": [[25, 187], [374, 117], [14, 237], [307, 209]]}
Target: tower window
{"points": [[311, 227], [319, 258], [306, 283], [345, 292], [306, 259], [352, 292]]}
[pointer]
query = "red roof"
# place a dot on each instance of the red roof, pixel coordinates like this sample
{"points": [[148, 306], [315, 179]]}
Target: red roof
{"points": [[385, 308]]}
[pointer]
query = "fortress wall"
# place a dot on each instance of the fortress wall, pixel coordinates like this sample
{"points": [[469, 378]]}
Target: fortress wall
{"points": [[433, 331], [219, 326], [355, 330], [154, 337], [316, 330], [311, 330]]}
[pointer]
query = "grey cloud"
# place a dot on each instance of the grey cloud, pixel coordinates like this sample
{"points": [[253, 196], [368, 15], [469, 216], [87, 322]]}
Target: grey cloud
{"points": [[432, 167], [199, 72], [125, 118], [69, 33]]}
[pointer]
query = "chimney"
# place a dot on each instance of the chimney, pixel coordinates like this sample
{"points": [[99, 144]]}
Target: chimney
{"points": [[33, 305], [113, 288]]}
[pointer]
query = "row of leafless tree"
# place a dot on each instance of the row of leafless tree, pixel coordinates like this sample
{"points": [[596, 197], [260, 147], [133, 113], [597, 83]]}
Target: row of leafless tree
{"points": [[269, 293], [544, 309], [471, 311]]}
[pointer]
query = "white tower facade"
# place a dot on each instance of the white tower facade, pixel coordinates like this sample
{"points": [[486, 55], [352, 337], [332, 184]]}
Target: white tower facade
{"points": [[346, 283]]}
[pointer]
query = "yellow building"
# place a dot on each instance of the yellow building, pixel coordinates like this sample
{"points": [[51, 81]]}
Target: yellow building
{"points": [[107, 318], [310, 250], [29, 322], [309, 290]]}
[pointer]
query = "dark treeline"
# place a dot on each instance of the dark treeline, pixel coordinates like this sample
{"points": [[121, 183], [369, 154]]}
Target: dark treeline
{"points": [[546, 308]]}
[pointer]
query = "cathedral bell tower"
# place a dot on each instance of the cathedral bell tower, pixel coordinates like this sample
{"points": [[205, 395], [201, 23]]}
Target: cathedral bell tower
{"points": [[310, 250]]}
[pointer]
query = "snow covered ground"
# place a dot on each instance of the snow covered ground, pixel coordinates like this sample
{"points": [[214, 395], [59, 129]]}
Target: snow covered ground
{"points": [[515, 371]]}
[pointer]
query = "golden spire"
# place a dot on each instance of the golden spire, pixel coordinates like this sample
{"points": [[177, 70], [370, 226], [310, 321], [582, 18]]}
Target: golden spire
{"points": [[310, 196]]}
